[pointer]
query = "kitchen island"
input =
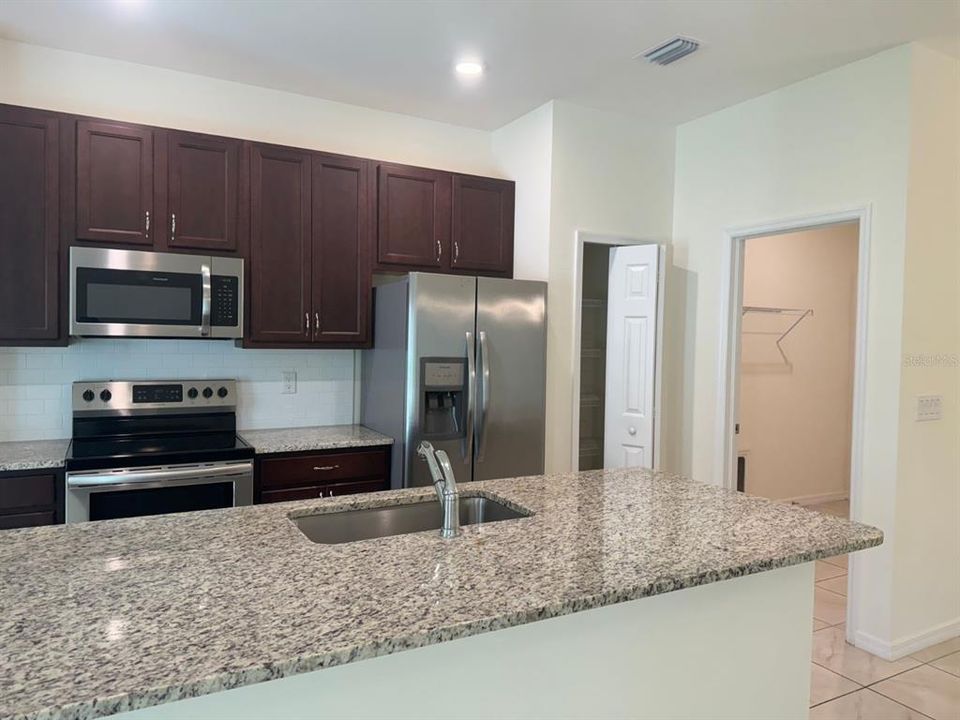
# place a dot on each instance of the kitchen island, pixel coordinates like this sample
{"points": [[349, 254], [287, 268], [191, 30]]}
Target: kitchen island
{"points": [[624, 593]]}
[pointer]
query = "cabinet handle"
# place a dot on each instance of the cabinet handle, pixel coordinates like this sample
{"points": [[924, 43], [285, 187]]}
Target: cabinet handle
{"points": [[456, 251], [173, 225], [146, 224], [439, 250], [316, 322], [306, 323], [325, 467]]}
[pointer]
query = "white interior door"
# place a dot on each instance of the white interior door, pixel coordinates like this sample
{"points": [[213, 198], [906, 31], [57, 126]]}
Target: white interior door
{"points": [[628, 431]]}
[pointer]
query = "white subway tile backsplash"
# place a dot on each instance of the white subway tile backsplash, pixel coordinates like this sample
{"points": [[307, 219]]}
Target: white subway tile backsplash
{"points": [[35, 394]]}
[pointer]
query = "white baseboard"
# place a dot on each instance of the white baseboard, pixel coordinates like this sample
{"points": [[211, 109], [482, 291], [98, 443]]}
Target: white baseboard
{"points": [[817, 499], [909, 644]]}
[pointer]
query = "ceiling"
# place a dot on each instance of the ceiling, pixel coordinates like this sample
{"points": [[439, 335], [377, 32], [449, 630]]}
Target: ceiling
{"points": [[398, 55]]}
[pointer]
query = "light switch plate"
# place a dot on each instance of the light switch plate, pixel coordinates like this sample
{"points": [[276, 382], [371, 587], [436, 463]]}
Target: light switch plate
{"points": [[289, 382], [929, 407]]}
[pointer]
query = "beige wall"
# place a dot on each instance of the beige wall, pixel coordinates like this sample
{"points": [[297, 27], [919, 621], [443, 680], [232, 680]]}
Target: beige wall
{"points": [[795, 407], [927, 561]]}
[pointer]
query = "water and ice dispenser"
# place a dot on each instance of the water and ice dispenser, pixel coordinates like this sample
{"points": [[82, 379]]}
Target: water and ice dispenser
{"points": [[443, 401]]}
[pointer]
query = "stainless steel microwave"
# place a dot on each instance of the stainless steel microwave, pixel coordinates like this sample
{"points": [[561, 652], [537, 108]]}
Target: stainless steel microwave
{"points": [[128, 293]]}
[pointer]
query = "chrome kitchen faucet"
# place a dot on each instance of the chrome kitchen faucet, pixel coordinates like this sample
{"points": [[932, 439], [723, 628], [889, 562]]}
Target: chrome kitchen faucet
{"points": [[445, 484]]}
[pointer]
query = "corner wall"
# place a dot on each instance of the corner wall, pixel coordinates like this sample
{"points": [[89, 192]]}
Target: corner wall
{"points": [[609, 176], [836, 141], [884, 133]]}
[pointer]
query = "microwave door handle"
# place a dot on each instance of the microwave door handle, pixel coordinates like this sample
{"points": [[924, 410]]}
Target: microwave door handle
{"points": [[205, 302]]}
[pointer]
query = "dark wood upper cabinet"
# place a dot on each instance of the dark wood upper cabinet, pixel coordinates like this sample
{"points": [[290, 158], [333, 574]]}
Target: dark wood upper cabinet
{"points": [[341, 250], [115, 201], [29, 226], [482, 224], [413, 216], [280, 245], [202, 192]]}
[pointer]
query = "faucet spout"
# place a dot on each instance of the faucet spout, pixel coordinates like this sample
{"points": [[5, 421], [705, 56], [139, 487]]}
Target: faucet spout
{"points": [[445, 484]]}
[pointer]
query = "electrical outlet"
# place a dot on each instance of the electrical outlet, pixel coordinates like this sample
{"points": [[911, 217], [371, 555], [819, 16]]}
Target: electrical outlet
{"points": [[929, 407], [289, 382]]}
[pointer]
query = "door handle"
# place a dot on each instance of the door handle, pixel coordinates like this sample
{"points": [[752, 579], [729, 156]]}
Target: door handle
{"points": [[471, 399], [316, 323], [456, 251], [146, 223], [632, 430], [306, 323], [439, 250], [205, 303], [484, 355], [173, 225]]}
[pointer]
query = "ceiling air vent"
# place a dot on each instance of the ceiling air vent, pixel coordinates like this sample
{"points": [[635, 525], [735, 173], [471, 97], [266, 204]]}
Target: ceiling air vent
{"points": [[671, 51]]}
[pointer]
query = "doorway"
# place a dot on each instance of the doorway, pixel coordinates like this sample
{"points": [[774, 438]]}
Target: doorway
{"points": [[616, 376], [795, 376], [794, 327]]}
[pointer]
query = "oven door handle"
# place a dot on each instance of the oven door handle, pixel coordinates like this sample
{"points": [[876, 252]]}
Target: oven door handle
{"points": [[151, 476]]}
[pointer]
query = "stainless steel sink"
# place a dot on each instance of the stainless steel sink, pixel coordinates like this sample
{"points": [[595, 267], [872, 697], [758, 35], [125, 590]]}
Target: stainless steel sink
{"points": [[351, 525]]}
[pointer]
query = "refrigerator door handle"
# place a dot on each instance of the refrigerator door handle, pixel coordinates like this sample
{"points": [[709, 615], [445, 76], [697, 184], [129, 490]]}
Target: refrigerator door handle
{"points": [[484, 405], [471, 399]]}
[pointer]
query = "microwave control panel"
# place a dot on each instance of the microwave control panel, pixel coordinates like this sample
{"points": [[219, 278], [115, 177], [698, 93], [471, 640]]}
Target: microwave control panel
{"points": [[224, 300]]}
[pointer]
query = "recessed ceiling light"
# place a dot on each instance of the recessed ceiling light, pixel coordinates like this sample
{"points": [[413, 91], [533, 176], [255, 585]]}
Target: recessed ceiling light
{"points": [[469, 68]]}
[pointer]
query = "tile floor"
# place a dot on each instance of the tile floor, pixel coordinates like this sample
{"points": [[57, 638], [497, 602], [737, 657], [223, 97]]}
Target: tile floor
{"points": [[847, 683]]}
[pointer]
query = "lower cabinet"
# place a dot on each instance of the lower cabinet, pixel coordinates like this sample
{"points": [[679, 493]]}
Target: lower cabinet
{"points": [[327, 473], [30, 499]]}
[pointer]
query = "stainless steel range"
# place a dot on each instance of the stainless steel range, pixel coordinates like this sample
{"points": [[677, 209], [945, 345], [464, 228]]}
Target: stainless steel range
{"points": [[155, 447]]}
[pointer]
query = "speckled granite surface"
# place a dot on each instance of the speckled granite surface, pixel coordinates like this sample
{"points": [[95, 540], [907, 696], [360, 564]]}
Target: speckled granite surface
{"points": [[32, 455], [301, 439], [118, 615]]}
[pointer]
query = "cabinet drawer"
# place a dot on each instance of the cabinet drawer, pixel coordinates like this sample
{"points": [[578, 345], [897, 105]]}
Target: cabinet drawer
{"points": [[22, 520], [321, 469], [26, 491], [318, 491]]}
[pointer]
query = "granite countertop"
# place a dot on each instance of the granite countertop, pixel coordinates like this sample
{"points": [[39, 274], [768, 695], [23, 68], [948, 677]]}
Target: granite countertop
{"points": [[300, 439], [32, 454], [122, 614]]}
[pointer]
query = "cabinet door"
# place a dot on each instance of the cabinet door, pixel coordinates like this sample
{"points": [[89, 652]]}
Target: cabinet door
{"points": [[280, 252], [29, 230], [202, 192], [482, 224], [413, 224], [341, 250], [114, 182]]}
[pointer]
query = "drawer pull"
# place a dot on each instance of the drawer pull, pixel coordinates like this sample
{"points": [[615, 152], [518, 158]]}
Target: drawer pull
{"points": [[325, 467]]}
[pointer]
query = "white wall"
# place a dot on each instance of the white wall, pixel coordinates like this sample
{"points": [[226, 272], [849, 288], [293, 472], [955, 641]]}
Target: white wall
{"points": [[839, 140], [927, 561], [609, 176], [524, 153], [34, 390], [795, 408], [73, 82]]}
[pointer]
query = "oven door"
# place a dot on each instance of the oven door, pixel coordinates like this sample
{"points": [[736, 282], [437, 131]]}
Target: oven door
{"points": [[124, 293], [110, 494]]}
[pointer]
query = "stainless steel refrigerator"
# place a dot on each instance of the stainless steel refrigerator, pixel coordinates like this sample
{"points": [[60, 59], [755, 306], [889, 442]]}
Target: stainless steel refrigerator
{"points": [[459, 361]]}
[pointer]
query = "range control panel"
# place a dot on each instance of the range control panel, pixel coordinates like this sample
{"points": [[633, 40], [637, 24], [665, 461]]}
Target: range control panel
{"points": [[186, 395]]}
